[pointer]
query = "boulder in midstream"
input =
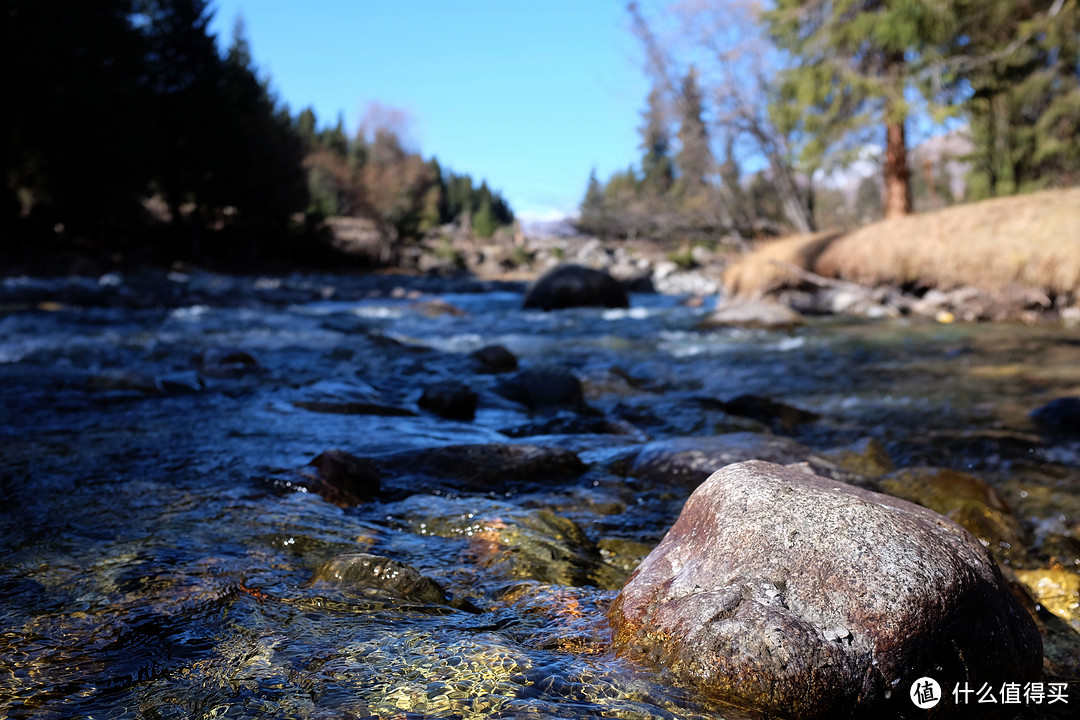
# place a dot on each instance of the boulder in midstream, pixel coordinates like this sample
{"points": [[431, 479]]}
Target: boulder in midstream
{"points": [[803, 597], [570, 285]]}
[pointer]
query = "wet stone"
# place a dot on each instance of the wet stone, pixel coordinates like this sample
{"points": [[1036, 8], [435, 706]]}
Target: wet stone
{"points": [[509, 542], [364, 570], [477, 468], [545, 387], [450, 399], [341, 478], [867, 456], [780, 417], [803, 597], [568, 286], [1060, 416], [225, 362], [494, 359]]}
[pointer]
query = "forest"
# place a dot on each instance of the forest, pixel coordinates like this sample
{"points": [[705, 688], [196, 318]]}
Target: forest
{"points": [[134, 136], [755, 108]]}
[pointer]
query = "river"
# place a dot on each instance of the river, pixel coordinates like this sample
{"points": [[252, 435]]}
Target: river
{"points": [[156, 558]]}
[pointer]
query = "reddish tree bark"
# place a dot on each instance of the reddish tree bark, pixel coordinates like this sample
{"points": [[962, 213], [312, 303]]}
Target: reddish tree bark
{"points": [[897, 198]]}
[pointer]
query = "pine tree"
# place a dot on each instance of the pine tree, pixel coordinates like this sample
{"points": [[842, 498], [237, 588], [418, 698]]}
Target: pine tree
{"points": [[1018, 65], [656, 169], [483, 222], [856, 60], [591, 212], [694, 159]]}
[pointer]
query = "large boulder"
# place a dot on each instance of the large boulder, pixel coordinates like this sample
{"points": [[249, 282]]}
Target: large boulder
{"points": [[568, 286], [803, 597]]}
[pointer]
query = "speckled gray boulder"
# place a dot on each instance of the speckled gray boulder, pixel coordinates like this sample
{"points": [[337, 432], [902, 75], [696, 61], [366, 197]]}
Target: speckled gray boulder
{"points": [[805, 597]]}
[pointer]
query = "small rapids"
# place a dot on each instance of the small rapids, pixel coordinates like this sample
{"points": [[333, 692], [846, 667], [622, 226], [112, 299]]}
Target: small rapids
{"points": [[156, 560]]}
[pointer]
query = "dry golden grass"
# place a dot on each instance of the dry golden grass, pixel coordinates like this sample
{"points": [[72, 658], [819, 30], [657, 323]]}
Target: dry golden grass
{"points": [[1031, 241]]}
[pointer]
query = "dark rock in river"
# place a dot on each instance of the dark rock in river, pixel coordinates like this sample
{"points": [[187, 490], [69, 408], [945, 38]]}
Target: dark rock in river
{"points": [[688, 461], [494, 359], [225, 362], [477, 468], [573, 425], [780, 417], [343, 479], [568, 286], [450, 399], [353, 408], [544, 387], [1059, 417], [803, 597], [371, 572]]}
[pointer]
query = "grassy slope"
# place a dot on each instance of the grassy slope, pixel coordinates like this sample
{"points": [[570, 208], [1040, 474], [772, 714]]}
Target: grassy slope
{"points": [[1031, 241]]}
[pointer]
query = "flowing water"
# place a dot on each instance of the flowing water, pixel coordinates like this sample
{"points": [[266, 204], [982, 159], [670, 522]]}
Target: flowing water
{"points": [[156, 561]]}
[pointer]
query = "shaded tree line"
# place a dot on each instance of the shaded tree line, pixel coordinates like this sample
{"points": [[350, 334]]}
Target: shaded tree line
{"points": [[798, 91], [129, 130]]}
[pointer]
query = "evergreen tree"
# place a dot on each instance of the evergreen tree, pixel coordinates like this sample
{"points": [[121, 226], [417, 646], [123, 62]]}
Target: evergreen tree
{"points": [[256, 165], [591, 211], [656, 169], [694, 159], [306, 129], [1018, 65], [184, 72], [483, 222], [856, 60], [75, 126]]}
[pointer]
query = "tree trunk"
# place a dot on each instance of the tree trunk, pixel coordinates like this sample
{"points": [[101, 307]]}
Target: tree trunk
{"points": [[897, 199]]}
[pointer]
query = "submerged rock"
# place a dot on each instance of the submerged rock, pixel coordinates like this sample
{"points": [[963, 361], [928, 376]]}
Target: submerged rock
{"points": [[568, 286], [544, 387], [343, 479], [1055, 589], [372, 572], [477, 468], [1059, 417], [780, 417], [450, 399], [688, 461], [225, 362], [494, 359], [799, 596], [866, 456], [509, 542], [353, 408]]}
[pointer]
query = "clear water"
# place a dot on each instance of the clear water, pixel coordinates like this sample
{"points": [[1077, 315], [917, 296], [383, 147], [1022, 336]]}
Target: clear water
{"points": [[149, 568]]}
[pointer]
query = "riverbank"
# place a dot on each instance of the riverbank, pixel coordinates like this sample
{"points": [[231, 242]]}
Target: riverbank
{"points": [[1015, 258]]}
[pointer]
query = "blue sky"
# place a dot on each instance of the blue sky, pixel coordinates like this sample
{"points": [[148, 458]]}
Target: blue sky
{"points": [[529, 95]]}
